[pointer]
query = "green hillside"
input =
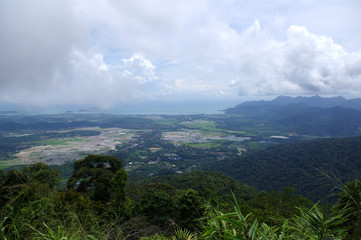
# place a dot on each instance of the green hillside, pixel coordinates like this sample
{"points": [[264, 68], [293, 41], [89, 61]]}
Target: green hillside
{"points": [[302, 165]]}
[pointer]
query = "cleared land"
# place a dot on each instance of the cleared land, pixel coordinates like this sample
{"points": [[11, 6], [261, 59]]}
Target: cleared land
{"points": [[58, 151], [198, 136], [55, 151]]}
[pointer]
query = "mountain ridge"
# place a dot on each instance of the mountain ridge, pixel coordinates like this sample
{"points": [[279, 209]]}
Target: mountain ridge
{"points": [[327, 117], [313, 101]]}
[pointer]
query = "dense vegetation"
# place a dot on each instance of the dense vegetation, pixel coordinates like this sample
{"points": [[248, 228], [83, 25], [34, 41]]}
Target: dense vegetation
{"points": [[303, 165], [209, 184], [34, 206]]}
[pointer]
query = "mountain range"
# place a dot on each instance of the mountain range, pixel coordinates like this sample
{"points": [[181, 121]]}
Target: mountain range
{"points": [[314, 101], [336, 116]]}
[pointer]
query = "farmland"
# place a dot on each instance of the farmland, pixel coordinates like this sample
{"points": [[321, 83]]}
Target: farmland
{"points": [[146, 144], [58, 151]]}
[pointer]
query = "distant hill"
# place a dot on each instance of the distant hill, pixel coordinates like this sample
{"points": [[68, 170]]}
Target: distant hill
{"points": [[8, 112], [301, 165], [334, 117], [314, 101]]}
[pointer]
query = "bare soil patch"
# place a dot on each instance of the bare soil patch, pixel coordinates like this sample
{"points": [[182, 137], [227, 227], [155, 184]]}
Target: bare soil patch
{"points": [[75, 148]]}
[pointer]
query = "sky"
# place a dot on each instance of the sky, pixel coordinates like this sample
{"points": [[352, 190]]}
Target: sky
{"points": [[104, 53]]}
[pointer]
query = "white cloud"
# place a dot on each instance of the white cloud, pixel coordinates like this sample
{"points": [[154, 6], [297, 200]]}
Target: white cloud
{"points": [[138, 68], [101, 84], [47, 58], [254, 63], [103, 52], [35, 44], [305, 63]]}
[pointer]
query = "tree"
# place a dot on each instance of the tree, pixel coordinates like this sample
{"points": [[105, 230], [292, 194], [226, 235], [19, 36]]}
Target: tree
{"points": [[2, 177], [158, 203], [95, 175], [120, 179], [32, 182], [190, 207], [42, 173]]}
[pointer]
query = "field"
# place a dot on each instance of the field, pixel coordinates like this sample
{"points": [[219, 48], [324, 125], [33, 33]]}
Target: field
{"points": [[199, 136], [150, 143], [58, 151], [208, 126]]}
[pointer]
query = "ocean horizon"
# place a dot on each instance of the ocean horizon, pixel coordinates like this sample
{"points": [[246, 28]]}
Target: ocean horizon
{"points": [[153, 107], [175, 107]]}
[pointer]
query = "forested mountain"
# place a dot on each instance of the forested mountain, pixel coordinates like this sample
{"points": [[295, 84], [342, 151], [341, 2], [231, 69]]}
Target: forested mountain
{"points": [[314, 101], [302, 165], [335, 117], [335, 121]]}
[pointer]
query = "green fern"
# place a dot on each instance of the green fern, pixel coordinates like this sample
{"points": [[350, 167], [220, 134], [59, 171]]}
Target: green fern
{"points": [[314, 224], [183, 234]]}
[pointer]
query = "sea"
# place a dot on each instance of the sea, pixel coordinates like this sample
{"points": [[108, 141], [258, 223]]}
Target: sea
{"points": [[175, 107], [149, 107]]}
